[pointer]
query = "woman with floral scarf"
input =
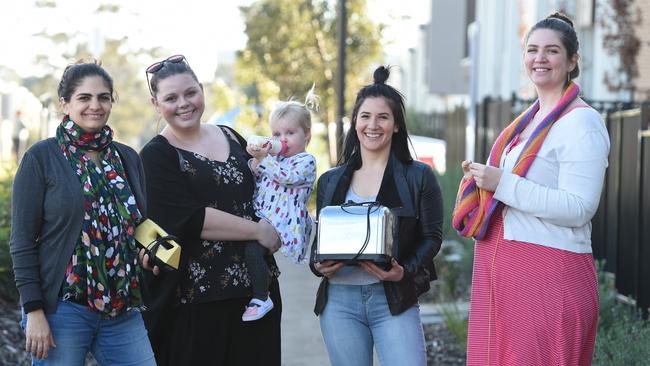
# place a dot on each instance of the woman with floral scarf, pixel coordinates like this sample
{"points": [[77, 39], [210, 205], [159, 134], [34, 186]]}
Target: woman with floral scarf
{"points": [[77, 199]]}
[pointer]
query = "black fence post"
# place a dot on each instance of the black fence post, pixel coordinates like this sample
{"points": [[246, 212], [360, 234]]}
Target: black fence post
{"points": [[643, 284], [629, 193], [341, 36], [612, 190], [481, 130]]}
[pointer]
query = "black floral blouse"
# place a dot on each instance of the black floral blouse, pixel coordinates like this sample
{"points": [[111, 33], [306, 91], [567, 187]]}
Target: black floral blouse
{"points": [[187, 183]]}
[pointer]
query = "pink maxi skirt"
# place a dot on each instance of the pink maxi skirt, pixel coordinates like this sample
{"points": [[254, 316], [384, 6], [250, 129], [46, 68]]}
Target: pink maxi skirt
{"points": [[531, 304]]}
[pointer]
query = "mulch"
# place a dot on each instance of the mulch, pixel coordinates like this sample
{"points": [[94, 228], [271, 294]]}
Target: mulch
{"points": [[442, 348], [12, 339]]}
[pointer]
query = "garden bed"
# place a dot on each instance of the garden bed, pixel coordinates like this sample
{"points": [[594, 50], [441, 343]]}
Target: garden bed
{"points": [[442, 348]]}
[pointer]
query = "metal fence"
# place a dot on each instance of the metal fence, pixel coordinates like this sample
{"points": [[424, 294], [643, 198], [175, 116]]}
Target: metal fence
{"points": [[620, 233], [621, 226], [449, 126]]}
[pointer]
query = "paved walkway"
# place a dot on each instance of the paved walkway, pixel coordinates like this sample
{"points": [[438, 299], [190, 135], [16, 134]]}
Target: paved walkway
{"points": [[302, 343]]}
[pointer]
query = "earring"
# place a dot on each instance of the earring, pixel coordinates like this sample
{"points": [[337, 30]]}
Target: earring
{"points": [[568, 77]]}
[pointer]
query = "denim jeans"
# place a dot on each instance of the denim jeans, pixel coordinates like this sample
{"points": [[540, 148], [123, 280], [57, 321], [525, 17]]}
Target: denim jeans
{"points": [[113, 341], [356, 316]]}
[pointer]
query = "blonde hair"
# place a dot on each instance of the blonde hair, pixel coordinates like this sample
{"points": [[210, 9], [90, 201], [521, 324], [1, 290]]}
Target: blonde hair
{"points": [[300, 110]]}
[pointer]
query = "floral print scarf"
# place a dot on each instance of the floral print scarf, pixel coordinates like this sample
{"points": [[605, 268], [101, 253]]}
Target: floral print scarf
{"points": [[103, 271]]}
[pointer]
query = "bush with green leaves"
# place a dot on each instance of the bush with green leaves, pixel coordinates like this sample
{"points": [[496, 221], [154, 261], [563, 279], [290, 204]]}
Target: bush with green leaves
{"points": [[456, 322], [7, 285], [456, 257], [623, 336], [453, 263]]}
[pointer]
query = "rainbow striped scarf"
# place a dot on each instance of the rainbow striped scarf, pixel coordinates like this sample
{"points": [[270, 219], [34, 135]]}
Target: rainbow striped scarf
{"points": [[475, 206]]}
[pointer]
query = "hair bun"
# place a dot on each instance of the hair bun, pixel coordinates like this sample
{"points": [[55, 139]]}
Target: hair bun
{"points": [[381, 75], [561, 16]]}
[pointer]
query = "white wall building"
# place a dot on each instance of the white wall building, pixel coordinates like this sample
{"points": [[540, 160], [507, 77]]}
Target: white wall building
{"points": [[437, 73], [472, 49], [503, 25]]}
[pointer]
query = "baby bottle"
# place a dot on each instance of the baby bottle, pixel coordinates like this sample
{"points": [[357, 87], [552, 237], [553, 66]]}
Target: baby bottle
{"points": [[277, 147]]}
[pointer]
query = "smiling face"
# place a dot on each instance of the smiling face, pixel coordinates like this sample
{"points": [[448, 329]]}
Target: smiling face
{"points": [[180, 100], [289, 130], [90, 104], [375, 125], [546, 60]]}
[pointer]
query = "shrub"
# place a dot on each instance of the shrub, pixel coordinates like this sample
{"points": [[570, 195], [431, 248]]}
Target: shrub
{"points": [[454, 263], [455, 260], [625, 342], [7, 285], [456, 322], [623, 336]]}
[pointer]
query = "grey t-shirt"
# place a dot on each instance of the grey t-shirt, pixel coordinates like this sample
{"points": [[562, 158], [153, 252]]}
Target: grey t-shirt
{"points": [[353, 274]]}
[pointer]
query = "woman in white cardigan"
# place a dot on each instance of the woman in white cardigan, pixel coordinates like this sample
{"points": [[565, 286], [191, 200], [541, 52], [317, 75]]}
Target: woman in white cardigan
{"points": [[534, 287]]}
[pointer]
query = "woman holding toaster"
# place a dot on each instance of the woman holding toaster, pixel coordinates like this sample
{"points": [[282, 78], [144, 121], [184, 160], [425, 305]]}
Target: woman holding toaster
{"points": [[365, 305]]}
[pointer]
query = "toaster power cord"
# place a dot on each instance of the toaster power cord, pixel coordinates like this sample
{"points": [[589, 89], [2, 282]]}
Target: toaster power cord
{"points": [[370, 205]]}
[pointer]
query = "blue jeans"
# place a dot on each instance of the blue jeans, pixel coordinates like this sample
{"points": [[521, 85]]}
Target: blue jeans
{"points": [[355, 317], [77, 330]]}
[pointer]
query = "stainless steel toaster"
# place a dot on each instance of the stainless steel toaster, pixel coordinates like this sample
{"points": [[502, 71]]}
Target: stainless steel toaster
{"points": [[343, 231]]}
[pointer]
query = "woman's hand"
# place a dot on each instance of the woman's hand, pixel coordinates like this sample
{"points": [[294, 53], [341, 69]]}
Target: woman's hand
{"points": [[144, 259], [328, 268], [396, 272], [258, 152], [38, 337], [267, 236], [486, 177]]}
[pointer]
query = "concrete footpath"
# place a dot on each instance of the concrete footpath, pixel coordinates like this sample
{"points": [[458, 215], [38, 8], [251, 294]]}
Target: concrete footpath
{"points": [[302, 343]]}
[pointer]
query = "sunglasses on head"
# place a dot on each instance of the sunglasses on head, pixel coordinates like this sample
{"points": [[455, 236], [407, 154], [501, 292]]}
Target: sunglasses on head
{"points": [[157, 66]]}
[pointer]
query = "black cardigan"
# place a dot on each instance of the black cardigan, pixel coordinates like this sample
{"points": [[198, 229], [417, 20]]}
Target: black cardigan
{"points": [[411, 190]]}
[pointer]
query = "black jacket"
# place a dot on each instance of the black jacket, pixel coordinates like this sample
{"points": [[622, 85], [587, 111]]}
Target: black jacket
{"points": [[412, 191]]}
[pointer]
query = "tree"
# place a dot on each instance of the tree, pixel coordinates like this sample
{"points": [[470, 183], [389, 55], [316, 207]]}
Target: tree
{"points": [[293, 44], [132, 118], [619, 20]]}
